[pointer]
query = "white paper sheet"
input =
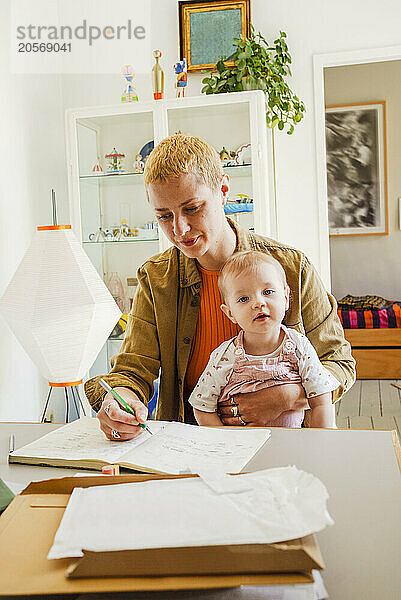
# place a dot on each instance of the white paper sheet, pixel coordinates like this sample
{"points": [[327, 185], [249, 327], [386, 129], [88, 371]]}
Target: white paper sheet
{"points": [[301, 591], [283, 504]]}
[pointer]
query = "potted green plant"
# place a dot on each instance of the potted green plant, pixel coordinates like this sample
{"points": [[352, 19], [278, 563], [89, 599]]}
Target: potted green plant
{"points": [[257, 65]]}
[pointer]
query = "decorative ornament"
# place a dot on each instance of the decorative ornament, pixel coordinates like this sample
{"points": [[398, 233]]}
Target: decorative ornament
{"points": [[129, 94], [97, 168], [157, 77], [114, 159], [138, 164], [243, 155], [180, 69], [226, 157]]}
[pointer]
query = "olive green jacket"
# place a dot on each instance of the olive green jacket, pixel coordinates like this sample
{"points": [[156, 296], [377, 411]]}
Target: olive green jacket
{"points": [[162, 323]]}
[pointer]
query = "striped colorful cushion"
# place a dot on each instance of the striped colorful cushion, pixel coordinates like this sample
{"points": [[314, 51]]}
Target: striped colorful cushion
{"points": [[385, 318]]}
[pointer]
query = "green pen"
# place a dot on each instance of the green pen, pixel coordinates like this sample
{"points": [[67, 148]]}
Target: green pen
{"points": [[122, 403]]}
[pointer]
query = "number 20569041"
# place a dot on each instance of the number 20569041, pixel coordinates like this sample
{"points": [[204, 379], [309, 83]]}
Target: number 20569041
{"points": [[43, 47]]}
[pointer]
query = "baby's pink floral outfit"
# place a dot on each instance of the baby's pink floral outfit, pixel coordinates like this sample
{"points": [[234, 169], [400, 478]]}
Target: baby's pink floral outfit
{"points": [[231, 371]]}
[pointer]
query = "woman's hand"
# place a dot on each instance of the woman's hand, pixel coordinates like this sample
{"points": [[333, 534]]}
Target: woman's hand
{"points": [[258, 409], [116, 423]]}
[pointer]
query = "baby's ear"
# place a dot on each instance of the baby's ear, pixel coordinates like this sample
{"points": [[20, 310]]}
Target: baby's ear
{"points": [[227, 312]]}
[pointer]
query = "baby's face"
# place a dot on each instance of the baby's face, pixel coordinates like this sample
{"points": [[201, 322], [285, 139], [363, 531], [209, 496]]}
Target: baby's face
{"points": [[257, 300]]}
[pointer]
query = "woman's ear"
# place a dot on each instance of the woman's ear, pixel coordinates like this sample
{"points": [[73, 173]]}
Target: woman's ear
{"points": [[225, 187], [227, 312]]}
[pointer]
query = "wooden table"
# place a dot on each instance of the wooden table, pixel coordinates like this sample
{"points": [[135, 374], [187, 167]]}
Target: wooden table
{"points": [[361, 472]]}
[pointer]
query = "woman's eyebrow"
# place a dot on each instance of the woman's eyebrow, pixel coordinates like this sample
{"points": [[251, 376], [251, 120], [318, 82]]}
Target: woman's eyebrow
{"points": [[182, 204]]}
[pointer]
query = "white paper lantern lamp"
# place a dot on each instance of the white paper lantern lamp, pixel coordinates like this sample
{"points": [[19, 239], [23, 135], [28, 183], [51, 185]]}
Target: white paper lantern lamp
{"points": [[59, 308]]}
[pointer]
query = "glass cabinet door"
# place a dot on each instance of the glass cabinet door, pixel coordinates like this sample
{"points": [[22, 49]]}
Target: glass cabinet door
{"points": [[235, 125], [226, 128], [118, 229], [107, 147]]}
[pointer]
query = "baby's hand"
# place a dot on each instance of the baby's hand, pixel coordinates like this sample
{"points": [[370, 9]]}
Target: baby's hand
{"points": [[258, 409]]}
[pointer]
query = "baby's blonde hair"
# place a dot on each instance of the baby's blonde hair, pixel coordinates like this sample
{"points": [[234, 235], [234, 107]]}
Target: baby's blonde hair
{"points": [[182, 153], [241, 262]]}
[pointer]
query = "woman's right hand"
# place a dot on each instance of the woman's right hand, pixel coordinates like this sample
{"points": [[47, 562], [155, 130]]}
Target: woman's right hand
{"points": [[117, 424]]}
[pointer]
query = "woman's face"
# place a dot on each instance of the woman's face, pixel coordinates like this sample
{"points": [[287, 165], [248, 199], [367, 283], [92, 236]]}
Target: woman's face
{"points": [[190, 214]]}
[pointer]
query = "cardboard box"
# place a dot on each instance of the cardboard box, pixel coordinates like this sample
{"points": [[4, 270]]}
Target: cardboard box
{"points": [[28, 526]]}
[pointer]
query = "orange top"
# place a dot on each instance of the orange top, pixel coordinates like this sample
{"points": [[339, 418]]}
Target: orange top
{"points": [[212, 328]]}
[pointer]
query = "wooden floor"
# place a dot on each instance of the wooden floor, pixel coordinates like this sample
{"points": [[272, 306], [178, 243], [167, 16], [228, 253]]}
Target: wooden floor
{"points": [[370, 404]]}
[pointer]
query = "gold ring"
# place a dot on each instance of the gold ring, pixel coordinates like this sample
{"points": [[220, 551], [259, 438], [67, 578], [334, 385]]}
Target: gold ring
{"points": [[234, 410], [115, 434]]}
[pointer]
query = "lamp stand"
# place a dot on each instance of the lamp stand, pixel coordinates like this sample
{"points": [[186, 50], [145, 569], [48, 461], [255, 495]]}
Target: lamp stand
{"points": [[69, 390]]}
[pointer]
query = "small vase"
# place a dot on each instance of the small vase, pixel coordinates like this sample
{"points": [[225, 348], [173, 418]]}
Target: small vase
{"points": [[116, 289]]}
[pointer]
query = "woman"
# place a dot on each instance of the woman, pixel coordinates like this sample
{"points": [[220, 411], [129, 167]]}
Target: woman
{"points": [[176, 322]]}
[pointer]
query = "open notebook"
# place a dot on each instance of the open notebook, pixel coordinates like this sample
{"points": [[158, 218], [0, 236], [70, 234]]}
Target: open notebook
{"points": [[173, 448]]}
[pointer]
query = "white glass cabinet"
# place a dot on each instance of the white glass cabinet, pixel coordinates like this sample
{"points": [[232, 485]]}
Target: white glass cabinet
{"points": [[102, 200]]}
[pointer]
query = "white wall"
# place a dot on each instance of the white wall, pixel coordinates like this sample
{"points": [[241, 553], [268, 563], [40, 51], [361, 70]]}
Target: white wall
{"points": [[313, 27], [375, 265], [32, 160]]}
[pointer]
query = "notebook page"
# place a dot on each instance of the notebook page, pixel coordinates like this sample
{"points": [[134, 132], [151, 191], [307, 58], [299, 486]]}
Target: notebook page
{"points": [[83, 440], [179, 448]]}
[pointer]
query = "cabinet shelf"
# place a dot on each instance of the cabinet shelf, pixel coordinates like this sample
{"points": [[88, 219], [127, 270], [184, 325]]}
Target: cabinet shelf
{"points": [[112, 175], [113, 178], [233, 170], [239, 170], [130, 241]]}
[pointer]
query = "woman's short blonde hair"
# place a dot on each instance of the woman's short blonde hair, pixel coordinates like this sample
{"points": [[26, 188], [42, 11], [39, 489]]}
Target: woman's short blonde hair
{"points": [[182, 153], [242, 262]]}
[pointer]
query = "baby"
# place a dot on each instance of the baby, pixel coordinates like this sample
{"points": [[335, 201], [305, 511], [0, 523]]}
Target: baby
{"points": [[255, 295]]}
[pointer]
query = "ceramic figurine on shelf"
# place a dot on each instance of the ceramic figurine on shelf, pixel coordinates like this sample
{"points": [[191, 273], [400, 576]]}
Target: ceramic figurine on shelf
{"points": [[133, 232], [123, 231], [129, 94], [243, 155], [114, 159], [116, 289], [99, 236], [97, 168], [180, 69], [108, 234], [157, 77], [139, 165], [243, 199], [226, 157]]}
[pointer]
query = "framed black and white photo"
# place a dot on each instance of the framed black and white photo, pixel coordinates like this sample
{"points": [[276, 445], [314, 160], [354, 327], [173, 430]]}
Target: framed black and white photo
{"points": [[356, 169]]}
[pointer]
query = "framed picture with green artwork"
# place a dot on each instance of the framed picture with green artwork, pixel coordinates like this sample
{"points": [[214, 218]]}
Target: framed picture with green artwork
{"points": [[207, 30]]}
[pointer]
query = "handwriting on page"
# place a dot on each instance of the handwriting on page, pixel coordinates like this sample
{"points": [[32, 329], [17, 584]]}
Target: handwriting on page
{"points": [[178, 447], [210, 450]]}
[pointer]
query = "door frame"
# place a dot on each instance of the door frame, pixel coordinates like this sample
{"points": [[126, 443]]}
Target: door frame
{"points": [[320, 62]]}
